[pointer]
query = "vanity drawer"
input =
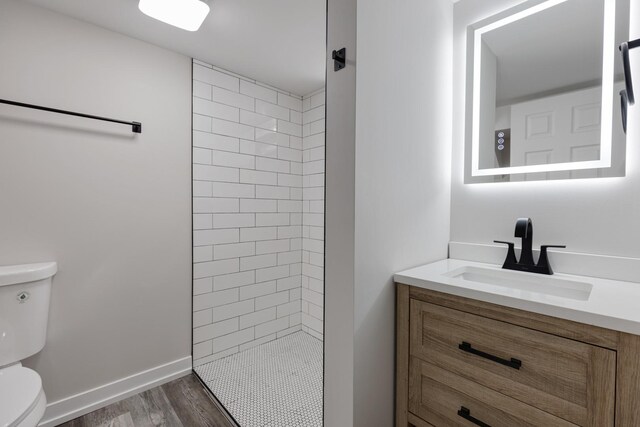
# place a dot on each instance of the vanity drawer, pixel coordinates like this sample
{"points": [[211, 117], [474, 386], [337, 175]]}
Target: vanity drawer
{"points": [[572, 380], [444, 399]]}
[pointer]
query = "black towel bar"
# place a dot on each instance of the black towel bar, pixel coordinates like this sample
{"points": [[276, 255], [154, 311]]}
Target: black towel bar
{"points": [[136, 127]]}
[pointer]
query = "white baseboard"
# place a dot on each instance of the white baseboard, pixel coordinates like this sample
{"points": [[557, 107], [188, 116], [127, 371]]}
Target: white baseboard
{"points": [[82, 403]]}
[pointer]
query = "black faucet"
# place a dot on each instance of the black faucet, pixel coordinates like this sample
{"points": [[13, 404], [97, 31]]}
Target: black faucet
{"points": [[524, 230]]}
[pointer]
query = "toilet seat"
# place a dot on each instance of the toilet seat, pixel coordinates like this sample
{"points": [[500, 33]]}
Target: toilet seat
{"points": [[22, 399]]}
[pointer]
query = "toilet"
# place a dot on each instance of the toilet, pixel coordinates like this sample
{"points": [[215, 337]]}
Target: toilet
{"points": [[24, 310]]}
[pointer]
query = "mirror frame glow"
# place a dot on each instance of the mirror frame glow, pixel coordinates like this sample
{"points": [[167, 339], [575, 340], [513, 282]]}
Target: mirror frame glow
{"points": [[607, 95]]}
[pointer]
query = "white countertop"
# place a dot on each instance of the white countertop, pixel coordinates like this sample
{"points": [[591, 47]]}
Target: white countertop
{"points": [[612, 304]]}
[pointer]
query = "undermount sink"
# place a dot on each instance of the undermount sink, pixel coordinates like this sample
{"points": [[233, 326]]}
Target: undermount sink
{"points": [[526, 282]]}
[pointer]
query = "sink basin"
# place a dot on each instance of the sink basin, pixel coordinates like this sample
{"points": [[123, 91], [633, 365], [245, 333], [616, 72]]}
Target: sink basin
{"points": [[525, 282]]}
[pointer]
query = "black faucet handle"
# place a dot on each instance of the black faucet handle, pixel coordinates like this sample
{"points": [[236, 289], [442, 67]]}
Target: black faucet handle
{"points": [[543, 248], [511, 259], [543, 262]]}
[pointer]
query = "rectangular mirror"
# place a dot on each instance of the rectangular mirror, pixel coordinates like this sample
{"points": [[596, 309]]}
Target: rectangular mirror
{"points": [[545, 91]]}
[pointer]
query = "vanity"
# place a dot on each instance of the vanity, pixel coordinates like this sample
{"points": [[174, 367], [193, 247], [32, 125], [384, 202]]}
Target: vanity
{"points": [[486, 345], [480, 345]]}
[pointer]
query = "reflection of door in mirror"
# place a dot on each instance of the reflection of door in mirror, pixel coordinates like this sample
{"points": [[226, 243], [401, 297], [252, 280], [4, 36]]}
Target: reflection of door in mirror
{"points": [[557, 129], [548, 82]]}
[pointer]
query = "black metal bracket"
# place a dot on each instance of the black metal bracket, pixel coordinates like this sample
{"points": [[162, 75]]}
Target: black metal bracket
{"points": [[627, 96], [339, 59], [626, 62], [513, 363], [466, 414], [136, 127]]}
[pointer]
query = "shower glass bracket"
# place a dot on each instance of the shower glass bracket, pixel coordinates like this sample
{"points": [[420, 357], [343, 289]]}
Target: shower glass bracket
{"points": [[339, 59]]}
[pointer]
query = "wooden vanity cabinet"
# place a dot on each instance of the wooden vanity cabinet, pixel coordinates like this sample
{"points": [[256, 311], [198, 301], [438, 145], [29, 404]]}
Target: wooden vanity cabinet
{"points": [[462, 362]]}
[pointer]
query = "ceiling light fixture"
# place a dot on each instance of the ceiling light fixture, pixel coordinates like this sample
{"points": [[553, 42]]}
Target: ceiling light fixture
{"points": [[185, 14]]}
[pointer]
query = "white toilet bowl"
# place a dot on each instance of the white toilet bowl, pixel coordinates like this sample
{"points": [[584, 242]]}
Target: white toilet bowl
{"points": [[22, 399], [24, 308]]}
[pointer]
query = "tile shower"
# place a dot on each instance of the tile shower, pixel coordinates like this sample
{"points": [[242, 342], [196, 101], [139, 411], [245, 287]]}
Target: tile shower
{"points": [[258, 247]]}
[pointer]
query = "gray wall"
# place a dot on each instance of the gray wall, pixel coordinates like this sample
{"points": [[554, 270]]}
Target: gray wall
{"points": [[388, 188], [403, 126], [111, 208], [597, 216], [340, 217]]}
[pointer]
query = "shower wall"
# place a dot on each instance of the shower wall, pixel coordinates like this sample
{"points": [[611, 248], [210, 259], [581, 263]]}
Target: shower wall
{"points": [[313, 213], [248, 215]]}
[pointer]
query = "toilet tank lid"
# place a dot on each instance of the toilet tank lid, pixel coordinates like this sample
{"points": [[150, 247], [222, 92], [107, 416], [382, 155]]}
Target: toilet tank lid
{"points": [[15, 274]]}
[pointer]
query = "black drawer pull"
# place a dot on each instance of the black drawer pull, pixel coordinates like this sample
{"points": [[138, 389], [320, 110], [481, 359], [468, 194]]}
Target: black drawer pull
{"points": [[513, 363], [466, 414]]}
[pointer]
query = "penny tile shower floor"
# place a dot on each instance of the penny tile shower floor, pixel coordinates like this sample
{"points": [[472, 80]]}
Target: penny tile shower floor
{"points": [[277, 384]]}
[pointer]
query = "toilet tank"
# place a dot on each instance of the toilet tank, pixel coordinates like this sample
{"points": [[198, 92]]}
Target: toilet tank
{"points": [[24, 309]]}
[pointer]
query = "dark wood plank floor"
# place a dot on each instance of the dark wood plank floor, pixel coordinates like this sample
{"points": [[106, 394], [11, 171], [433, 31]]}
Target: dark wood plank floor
{"points": [[180, 403]]}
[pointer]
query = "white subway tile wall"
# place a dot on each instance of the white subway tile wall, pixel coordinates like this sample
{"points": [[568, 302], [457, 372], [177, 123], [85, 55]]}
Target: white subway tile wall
{"points": [[258, 193], [313, 142]]}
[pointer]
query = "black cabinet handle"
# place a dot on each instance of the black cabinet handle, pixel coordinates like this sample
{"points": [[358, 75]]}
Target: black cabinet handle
{"points": [[466, 414], [513, 363]]}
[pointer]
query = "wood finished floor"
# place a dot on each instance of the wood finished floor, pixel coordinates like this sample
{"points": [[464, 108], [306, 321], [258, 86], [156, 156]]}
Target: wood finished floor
{"points": [[180, 403]]}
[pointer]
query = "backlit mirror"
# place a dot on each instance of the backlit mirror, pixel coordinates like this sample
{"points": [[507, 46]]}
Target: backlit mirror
{"points": [[546, 78]]}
